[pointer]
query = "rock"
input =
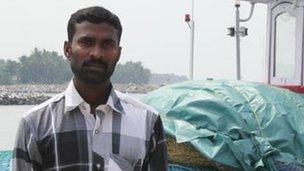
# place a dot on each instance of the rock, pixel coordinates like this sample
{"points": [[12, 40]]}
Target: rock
{"points": [[29, 94], [21, 98]]}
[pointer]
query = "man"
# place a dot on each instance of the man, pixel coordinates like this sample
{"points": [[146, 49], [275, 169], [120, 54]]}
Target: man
{"points": [[90, 126]]}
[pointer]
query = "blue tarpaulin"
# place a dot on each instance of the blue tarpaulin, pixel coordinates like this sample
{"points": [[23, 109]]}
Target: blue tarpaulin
{"points": [[245, 125], [5, 157]]}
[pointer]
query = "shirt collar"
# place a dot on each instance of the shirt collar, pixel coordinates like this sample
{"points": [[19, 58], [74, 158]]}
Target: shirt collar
{"points": [[73, 99], [115, 102]]}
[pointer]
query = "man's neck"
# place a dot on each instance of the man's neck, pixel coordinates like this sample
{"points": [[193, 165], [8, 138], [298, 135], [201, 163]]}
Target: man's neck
{"points": [[93, 94]]}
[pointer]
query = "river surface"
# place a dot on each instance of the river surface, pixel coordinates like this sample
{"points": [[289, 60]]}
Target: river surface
{"points": [[9, 119]]}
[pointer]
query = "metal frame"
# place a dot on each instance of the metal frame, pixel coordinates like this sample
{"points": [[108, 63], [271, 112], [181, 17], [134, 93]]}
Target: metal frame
{"points": [[274, 10], [238, 33]]}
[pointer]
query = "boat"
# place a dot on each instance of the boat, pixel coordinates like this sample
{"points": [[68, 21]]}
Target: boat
{"points": [[240, 125]]}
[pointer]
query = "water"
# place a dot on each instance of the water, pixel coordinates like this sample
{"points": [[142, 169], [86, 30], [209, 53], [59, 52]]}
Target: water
{"points": [[10, 116]]}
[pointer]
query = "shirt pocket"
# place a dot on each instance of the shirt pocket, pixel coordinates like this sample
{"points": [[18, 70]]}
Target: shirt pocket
{"points": [[71, 147]]}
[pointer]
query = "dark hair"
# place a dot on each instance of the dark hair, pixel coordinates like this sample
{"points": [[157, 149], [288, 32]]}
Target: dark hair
{"points": [[93, 14]]}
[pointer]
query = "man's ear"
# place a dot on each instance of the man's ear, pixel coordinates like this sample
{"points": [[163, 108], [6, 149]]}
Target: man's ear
{"points": [[67, 50]]}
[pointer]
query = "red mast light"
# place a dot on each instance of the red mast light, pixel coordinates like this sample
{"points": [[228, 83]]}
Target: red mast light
{"points": [[187, 18]]}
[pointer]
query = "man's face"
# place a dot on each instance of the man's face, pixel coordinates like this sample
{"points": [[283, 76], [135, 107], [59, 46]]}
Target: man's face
{"points": [[93, 52]]}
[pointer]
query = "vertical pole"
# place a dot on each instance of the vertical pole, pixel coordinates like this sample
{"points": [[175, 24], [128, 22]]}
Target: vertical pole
{"points": [[237, 39], [191, 44]]}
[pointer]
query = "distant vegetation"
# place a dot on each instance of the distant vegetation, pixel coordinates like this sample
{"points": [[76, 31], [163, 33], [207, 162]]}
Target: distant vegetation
{"points": [[47, 67], [43, 67], [131, 72], [166, 79], [40, 67], [8, 71]]}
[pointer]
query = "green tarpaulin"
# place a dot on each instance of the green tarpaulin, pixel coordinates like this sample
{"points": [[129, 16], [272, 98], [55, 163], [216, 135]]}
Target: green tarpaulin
{"points": [[245, 125], [5, 157]]}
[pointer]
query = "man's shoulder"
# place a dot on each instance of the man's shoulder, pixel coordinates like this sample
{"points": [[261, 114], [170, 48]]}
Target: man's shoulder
{"points": [[134, 103], [38, 109]]}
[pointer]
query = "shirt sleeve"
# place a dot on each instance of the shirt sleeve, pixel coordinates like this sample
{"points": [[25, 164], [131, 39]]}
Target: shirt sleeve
{"points": [[156, 159], [26, 156]]}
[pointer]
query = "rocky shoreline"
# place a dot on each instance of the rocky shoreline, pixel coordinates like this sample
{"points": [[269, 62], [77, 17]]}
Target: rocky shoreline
{"points": [[28, 94], [22, 99]]}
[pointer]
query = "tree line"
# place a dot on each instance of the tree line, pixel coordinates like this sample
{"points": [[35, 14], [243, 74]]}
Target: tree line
{"points": [[48, 67]]}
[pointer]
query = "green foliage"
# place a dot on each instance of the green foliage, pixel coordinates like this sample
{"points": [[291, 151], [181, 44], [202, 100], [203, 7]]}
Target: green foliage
{"points": [[41, 66], [131, 72], [47, 67], [44, 67], [8, 71]]}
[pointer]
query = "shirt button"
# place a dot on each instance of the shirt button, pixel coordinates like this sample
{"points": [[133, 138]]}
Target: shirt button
{"points": [[96, 131], [98, 166]]}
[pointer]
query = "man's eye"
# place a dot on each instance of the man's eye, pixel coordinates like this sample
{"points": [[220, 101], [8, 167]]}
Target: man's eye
{"points": [[108, 46], [86, 42], [111, 45]]}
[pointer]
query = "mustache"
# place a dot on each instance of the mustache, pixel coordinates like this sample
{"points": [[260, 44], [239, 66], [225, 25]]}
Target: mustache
{"points": [[89, 62]]}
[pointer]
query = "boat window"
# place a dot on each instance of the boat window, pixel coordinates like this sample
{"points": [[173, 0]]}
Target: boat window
{"points": [[285, 43]]}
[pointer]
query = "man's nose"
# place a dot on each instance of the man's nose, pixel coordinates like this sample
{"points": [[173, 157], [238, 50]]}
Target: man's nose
{"points": [[97, 52]]}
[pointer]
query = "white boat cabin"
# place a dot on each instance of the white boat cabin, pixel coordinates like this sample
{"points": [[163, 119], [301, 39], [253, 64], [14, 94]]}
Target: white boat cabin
{"points": [[285, 33]]}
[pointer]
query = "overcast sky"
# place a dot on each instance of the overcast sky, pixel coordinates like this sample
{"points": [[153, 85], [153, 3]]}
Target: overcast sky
{"points": [[154, 32]]}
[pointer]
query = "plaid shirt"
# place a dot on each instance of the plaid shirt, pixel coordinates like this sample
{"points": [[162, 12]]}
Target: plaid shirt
{"points": [[62, 134]]}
